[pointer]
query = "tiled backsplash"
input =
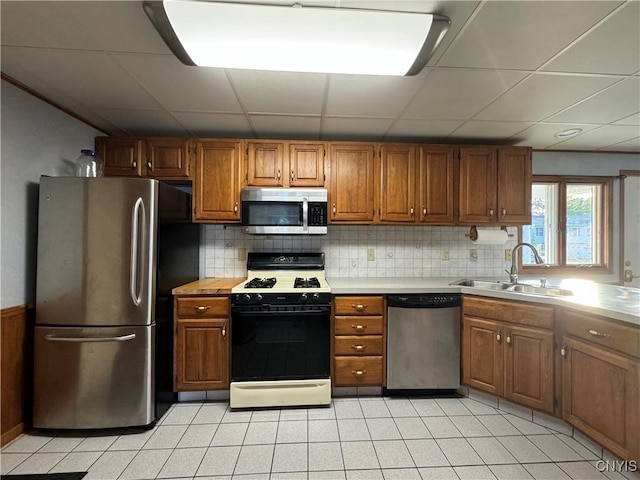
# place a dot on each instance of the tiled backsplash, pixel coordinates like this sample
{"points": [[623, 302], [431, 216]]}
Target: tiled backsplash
{"points": [[399, 251]]}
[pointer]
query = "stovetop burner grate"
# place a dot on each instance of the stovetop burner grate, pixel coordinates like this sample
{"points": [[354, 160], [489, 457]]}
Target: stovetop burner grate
{"points": [[312, 282], [261, 283]]}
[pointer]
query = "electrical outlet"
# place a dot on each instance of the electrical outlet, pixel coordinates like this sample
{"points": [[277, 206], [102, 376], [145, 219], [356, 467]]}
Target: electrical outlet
{"points": [[445, 254], [242, 254], [507, 254], [473, 254], [371, 254]]}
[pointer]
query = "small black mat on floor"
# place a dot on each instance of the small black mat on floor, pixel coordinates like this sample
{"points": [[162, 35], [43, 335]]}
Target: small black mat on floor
{"points": [[46, 476]]}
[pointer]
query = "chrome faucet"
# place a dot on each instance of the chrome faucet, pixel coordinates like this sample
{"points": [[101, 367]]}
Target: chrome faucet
{"points": [[513, 274]]}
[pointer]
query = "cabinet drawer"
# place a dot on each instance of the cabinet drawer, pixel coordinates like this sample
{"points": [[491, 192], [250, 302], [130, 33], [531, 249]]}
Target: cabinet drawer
{"points": [[602, 332], [506, 311], [358, 325], [358, 345], [203, 307], [357, 371], [359, 305]]}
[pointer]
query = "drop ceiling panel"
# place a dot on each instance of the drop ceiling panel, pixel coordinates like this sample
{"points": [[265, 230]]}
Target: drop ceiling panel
{"points": [[279, 92], [630, 120], [209, 89], [285, 126], [541, 135], [460, 93], [496, 132], [522, 34], [615, 103], [612, 47], [90, 78], [144, 122], [632, 145], [215, 124], [422, 130], [540, 96], [372, 96], [340, 128], [601, 138]]}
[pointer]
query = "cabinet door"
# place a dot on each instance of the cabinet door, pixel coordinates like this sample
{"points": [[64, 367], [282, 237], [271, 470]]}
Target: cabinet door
{"points": [[265, 164], [529, 378], [514, 185], [397, 196], [352, 174], [600, 396], [202, 354], [436, 174], [482, 355], [306, 164], [122, 156], [478, 190], [167, 158], [216, 189]]}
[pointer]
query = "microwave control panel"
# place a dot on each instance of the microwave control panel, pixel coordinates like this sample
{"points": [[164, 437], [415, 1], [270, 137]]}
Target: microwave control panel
{"points": [[317, 214]]}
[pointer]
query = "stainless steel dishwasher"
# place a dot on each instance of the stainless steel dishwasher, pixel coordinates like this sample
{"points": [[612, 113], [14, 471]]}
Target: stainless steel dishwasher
{"points": [[423, 341]]}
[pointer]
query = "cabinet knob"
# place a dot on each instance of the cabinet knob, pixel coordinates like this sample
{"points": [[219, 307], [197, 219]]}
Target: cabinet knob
{"points": [[424, 211], [499, 336], [292, 177], [563, 351], [504, 212], [411, 211], [134, 164], [224, 331], [508, 339], [202, 308], [278, 175], [149, 166], [358, 348], [358, 373], [333, 208], [491, 212], [235, 207], [359, 328]]}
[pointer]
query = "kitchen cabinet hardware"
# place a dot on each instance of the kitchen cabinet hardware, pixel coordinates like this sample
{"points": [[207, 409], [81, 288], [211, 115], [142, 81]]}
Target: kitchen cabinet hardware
{"points": [[235, 207], [134, 164], [491, 212], [278, 175], [360, 307], [563, 351], [596, 333], [292, 176], [509, 339], [359, 328], [202, 308], [224, 332], [149, 166], [333, 208], [411, 212], [358, 348], [499, 336], [424, 212], [359, 373], [503, 213]]}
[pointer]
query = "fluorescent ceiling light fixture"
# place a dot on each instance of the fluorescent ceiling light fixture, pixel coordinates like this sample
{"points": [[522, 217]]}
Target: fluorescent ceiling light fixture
{"points": [[572, 132], [296, 38]]}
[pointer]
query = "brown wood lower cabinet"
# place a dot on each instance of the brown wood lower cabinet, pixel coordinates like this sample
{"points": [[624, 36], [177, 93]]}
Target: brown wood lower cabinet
{"points": [[506, 354], [600, 381], [201, 356], [359, 341]]}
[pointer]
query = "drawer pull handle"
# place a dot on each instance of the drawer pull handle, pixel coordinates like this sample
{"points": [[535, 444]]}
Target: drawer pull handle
{"points": [[359, 328], [358, 348], [359, 373], [360, 307], [596, 333], [202, 308]]}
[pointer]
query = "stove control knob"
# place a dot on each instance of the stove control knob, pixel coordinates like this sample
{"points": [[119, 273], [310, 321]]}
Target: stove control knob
{"points": [[246, 298], [304, 298], [315, 298], [258, 298]]}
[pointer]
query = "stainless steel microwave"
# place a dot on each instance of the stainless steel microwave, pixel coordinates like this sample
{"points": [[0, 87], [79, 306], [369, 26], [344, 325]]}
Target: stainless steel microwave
{"points": [[284, 211]]}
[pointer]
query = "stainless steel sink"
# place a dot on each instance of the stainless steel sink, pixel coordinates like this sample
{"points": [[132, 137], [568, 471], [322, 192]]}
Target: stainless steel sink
{"points": [[516, 288], [553, 291]]}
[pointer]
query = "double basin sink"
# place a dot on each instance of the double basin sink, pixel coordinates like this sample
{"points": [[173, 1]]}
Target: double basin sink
{"points": [[515, 287]]}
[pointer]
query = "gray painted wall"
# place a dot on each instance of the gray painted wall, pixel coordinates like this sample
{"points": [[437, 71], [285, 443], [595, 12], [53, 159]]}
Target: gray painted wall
{"points": [[37, 139]]}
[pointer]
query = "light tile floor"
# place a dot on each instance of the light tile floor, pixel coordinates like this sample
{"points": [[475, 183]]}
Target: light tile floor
{"points": [[365, 438]]}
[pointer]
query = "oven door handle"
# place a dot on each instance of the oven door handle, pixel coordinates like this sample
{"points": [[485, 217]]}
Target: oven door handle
{"points": [[305, 214]]}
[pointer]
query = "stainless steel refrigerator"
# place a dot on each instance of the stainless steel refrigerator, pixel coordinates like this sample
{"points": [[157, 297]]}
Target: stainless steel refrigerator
{"points": [[109, 252]]}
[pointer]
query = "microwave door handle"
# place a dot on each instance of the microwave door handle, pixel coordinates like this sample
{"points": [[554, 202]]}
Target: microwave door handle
{"points": [[305, 214]]}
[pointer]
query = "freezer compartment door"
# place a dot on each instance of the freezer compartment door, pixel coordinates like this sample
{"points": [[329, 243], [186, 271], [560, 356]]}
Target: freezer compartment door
{"points": [[96, 251], [99, 377]]}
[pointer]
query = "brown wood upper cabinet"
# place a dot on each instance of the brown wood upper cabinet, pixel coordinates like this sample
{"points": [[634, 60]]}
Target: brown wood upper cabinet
{"points": [[351, 198], [217, 181], [495, 185], [417, 184], [285, 164], [162, 158]]}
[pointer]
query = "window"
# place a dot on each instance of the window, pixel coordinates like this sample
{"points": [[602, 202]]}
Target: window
{"points": [[570, 218]]}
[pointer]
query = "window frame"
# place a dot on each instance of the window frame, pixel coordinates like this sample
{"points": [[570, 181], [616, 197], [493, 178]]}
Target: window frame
{"points": [[605, 236]]}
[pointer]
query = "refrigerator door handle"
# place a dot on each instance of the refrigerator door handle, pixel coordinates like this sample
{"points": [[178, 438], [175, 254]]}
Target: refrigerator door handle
{"points": [[135, 245], [120, 338]]}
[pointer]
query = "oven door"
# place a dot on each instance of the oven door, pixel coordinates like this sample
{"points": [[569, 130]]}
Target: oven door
{"points": [[280, 343]]}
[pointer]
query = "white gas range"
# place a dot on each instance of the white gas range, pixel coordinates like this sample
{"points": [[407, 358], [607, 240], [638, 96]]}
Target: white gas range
{"points": [[280, 330]]}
